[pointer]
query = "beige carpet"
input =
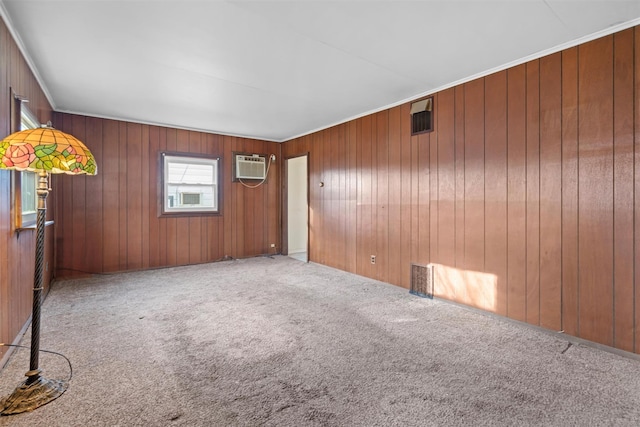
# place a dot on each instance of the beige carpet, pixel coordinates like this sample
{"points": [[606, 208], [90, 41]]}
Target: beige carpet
{"points": [[278, 342]]}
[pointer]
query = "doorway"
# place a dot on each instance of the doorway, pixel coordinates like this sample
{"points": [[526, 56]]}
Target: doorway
{"points": [[297, 208]]}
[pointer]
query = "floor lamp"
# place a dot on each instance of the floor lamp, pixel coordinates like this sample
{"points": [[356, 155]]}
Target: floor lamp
{"points": [[45, 151]]}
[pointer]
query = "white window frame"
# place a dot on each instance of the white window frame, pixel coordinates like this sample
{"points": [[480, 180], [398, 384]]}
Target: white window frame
{"points": [[27, 217], [167, 158]]}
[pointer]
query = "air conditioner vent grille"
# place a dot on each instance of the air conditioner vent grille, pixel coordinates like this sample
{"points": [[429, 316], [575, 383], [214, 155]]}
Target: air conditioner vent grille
{"points": [[250, 167]]}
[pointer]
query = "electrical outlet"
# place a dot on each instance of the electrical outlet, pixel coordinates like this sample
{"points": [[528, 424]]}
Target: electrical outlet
{"points": [[273, 245], [273, 157], [373, 259]]}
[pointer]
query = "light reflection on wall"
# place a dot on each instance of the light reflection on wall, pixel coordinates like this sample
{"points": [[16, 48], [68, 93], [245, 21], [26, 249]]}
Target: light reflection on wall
{"points": [[472, 288]]}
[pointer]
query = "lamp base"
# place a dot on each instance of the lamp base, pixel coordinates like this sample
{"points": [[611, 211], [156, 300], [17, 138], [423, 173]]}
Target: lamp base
{"points": [[34, 392]]}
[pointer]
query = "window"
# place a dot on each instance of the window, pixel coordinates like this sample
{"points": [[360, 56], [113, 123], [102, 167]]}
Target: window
{"points": [[422, 116], [189, 184], [26, 182]]}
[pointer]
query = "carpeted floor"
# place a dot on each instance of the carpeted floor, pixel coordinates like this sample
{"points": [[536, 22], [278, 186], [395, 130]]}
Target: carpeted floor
{"points": [[278, 342]]}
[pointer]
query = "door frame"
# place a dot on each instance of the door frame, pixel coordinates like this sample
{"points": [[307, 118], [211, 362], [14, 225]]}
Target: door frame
{"points": [[285, 202]]}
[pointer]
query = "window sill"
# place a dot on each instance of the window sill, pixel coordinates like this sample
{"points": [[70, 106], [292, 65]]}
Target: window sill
{"points": [[188, 214], [33, 226]]}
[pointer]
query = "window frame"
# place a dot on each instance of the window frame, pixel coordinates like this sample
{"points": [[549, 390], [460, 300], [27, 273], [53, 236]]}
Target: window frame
{"points": [[195, 158], [23, 118]]}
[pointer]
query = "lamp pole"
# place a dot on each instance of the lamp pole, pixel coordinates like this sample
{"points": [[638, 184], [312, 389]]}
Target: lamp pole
{"points": [[43, 191], [36, 390]]}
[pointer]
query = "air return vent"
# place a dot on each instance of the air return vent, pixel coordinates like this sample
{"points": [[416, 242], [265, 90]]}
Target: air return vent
{"points": [[422, 280], [422, 116]]}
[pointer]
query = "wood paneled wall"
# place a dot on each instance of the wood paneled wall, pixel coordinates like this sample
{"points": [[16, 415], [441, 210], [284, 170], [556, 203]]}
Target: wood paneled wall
{"points": [[110, 222], [525, 196], [17, 249]]}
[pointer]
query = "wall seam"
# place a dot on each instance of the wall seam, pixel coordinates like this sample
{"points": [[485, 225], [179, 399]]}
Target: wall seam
{"points": [[613, 193], [578, 191]]}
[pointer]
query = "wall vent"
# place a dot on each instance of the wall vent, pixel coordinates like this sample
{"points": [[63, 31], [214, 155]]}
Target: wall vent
{"points": [[422, 116], [422, 280]]}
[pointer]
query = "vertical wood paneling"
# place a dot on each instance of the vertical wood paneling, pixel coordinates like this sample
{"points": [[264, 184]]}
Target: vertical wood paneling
{"points": [[352, 198], [5, 313], [134, 196], [570, 191], [382, 196], [6, 333], [259, 210], [495, 176], [595, 197], [322, 218], [109, 170], [123, 209], [64, 223], [373, 246], [366, 218], [17, 249], [516, 193], [145, 190], [78, 206], [474, 230], [228, 206], [415, 200], [623, 193], [460, 177], [152, 199], [423, 183], [395, 267], [272, 203], [636, 157], [314, 188], [340, 179], [533, 192], [119, 209], [551, 191], [405, 208], [94, 188], [331, 223], [446, 177], [433, 188]]}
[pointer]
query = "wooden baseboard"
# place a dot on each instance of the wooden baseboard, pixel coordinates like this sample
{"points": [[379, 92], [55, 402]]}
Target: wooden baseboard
{"points": [[16, 341]]}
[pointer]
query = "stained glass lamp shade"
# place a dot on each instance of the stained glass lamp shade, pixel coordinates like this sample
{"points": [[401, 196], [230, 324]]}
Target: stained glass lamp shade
{"points": [[43, 150], [46, 149]]}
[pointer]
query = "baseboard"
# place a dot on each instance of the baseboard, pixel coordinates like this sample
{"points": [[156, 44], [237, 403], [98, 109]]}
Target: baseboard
{"points": [[16, 341], [557, 334]]}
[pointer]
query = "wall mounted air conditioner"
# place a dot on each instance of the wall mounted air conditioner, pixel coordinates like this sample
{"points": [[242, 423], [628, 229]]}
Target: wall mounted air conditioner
{"points": [[250, 167]]}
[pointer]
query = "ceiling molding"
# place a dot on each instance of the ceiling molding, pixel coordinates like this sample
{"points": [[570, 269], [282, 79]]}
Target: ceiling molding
{"points": [[585, 39], [169, 126], [18, 40]]}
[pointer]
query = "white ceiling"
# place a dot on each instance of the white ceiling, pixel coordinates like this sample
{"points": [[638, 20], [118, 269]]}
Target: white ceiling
{"points": [[279, 69]]}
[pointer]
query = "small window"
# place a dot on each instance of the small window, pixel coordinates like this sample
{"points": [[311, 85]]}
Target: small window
{"points": [[422, 116], [26, 182], [189, 184]]}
